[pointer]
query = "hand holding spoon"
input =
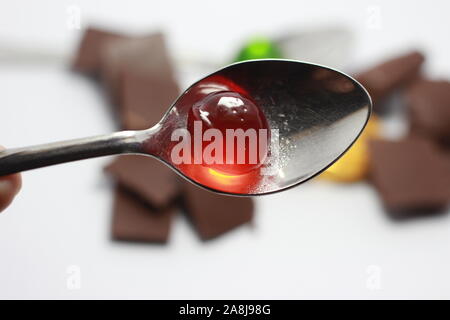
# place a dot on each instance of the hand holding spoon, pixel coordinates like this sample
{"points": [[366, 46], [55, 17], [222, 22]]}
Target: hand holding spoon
{"points": [[290, 120]]}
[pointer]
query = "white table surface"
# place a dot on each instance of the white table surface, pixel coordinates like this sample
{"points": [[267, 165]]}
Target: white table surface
{"points": [[319, 240]]}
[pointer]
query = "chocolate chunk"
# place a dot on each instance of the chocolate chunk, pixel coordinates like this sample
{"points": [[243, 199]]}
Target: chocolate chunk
{"points": [[87, 58], [428, 104], [147, 177], [382, 79], [411, 175], [213, 214], [145, 99], [134, 220], [141, 55], [139, 75]]}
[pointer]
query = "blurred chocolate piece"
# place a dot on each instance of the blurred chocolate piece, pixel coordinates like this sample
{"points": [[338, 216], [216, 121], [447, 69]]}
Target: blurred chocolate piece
{"points": [[146, 56], [134, 220], [382, 79], [88, 58], [213, 214], [411, 176], [428, 105], [138, 74], [145, 99], [147, 177], [140, 78]]}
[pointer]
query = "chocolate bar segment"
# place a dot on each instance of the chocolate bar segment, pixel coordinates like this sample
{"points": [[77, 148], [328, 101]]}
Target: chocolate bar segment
{"points": [[411, 175], [428, 105], [213, 214], [134, 220], [88, 58], [147, 177], [382, 79], [141, 56], [145, 99], [140, 77]]}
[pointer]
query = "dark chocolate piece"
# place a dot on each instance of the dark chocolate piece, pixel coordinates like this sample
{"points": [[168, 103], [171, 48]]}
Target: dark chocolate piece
{"points": [[145, 99], [88, 57], [134, 220], [145, 56], [151, 179], [140, 78], [411, 175], [428, 104], [382, 79], [213, 214]]}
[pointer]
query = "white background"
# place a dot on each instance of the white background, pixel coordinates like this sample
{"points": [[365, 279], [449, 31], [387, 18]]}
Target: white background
{"points": [[319, 240]]}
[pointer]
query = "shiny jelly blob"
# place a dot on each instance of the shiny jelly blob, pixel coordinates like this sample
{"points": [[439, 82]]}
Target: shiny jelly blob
{"points": [[234, 136], [240, 125]]}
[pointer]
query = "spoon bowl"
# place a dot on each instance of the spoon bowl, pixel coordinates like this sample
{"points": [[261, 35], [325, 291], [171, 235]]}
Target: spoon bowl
{"points": [[314, 114]]}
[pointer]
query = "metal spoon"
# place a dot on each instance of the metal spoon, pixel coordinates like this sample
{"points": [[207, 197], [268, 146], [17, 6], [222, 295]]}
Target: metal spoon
{"points": [[318, 112]]}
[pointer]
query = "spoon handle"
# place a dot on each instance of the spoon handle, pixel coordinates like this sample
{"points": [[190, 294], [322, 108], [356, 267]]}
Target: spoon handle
{"points": [[21, 159]]}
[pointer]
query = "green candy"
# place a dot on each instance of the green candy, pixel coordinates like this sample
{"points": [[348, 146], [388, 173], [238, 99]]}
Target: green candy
{"points": [[258, 48]]}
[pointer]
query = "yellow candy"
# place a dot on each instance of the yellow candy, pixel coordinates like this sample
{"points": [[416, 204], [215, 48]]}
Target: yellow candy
{"points": [[354, 165]]}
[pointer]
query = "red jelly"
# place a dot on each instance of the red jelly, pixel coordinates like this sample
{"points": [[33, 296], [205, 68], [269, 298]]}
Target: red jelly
{"points": [[242, 125], [234, 136]]}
